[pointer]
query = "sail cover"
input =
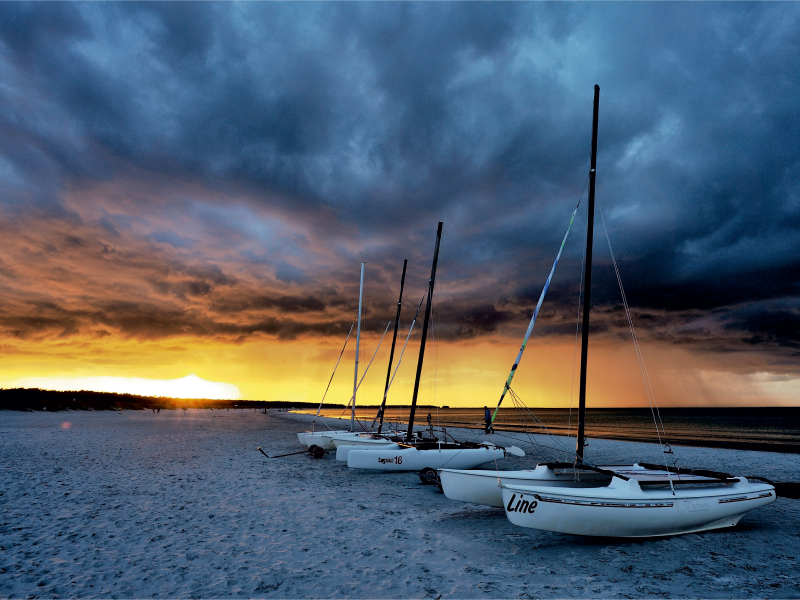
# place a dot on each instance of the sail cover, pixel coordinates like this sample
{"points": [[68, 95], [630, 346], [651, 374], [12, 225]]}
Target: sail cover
{"points": [[533, 319]]}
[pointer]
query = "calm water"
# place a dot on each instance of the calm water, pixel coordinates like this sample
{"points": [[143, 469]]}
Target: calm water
{"points": [[766, 429]]}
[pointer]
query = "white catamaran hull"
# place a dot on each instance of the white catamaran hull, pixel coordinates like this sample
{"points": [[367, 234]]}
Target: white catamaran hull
{"points": [[365, 441], [624, 509], [412, 459], [364, 445], [342, 452], [302, 436], [323, 440], [483, 487]]}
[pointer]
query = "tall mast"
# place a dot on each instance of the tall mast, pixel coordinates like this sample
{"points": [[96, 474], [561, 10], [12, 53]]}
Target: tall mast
{"points": [[394, 339], [587, 283], [410, 431], [358, 342]]}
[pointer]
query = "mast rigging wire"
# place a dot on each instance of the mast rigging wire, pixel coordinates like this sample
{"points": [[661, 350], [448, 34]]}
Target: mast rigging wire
{"points": [[577, 324], [529, 331], [331, 379], [400, 360], [368, 366], [651, 397]]}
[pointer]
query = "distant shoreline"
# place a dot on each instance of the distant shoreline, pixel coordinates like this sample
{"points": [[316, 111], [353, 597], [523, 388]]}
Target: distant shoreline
{"points": [[32, 399], [37, 399]]}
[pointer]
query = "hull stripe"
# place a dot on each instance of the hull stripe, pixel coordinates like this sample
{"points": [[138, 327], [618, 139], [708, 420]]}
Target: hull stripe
{"points": [[594, 503], [744, 498]]}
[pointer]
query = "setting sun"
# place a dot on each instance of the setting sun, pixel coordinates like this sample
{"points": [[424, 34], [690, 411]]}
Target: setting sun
{"points": [[190, 386]]}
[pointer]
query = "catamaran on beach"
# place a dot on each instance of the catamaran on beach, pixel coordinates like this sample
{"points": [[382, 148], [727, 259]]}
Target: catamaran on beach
{"points": [[582, 498]]}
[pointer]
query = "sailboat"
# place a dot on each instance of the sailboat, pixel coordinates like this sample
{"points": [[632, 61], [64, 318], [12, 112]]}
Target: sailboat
{"points": [[337, 439], [639, 500], [414, 453], [483, 486], [323, 439], [327, 439], [345, 442]]}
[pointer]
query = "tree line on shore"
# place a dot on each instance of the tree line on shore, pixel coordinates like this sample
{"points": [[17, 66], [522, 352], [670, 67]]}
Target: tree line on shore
{"points": [[27, 399]]}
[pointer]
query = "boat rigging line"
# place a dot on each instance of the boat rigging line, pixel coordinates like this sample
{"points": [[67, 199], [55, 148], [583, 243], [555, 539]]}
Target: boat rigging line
{"points": [[521, 407], [351, 403], [394, 340], [529, 331], [400, 360], [426, 321], [577, 326], [331, 379], [651, 397], [356, 383]]}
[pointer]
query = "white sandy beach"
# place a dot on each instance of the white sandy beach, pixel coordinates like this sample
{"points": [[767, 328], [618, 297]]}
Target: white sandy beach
{"points": [[169, 505]]}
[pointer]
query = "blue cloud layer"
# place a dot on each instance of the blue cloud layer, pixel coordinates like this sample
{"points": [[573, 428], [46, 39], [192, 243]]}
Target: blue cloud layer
{"points": [[359, 125]]}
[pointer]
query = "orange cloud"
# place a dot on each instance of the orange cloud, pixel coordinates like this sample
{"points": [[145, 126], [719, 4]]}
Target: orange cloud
{"points": [[128, 285]]}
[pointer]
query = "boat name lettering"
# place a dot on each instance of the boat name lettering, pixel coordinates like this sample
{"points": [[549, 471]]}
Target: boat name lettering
{"points": [[522, 505], [398, 460], [695, 506]]}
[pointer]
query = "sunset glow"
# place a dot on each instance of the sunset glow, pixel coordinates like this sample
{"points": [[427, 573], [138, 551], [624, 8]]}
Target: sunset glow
{"points": [[190, 386]]}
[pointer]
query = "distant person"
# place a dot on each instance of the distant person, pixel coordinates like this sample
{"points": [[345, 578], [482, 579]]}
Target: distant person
{"points": [[487, 417]]}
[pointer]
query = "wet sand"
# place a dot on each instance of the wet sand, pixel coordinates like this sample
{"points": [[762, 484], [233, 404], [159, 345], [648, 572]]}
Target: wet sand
{"points": [[168, 505]]}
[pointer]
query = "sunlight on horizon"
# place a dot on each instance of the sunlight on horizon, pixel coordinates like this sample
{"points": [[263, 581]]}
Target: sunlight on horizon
{"points": [[190, 386]]}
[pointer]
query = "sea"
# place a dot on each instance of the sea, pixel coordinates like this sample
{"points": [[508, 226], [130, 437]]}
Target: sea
{"points": [[769, 429]]}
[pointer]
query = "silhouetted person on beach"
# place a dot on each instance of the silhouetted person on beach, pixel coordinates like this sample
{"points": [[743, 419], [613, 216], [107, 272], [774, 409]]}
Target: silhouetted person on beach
{"points": [[487, 417]]}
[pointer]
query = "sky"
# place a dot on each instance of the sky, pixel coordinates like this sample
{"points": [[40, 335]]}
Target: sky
{"points": [[187, 191]]}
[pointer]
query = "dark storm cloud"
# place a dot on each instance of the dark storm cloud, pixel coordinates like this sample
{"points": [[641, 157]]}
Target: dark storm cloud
{"points": [[150, 322], [363, 124], [145, 321], [465, 321], [776, 324], [298, 304]]}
